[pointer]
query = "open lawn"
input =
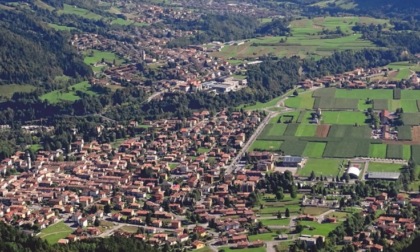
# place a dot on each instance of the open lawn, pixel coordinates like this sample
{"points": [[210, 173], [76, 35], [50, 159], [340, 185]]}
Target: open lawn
{"points": [[315, 228], [95, 57], [343, 117], [70, 94], [324, 167], [9, 90], [266, 145], [55, 232], [382, 167], [262, 237], [314, 149], [276, 222]]}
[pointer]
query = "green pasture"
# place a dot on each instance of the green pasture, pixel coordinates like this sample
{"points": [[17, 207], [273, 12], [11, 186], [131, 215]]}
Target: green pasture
{"points": [[69, 94], [55, 232]]}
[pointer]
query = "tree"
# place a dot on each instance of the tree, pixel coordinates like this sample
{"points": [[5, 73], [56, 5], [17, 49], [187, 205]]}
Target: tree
{"points": [[278, 215], [287, 213], [107, 209], [312, 176], [96, 223], [280, 194], [299, 227], [295, 93], [293, 191]]}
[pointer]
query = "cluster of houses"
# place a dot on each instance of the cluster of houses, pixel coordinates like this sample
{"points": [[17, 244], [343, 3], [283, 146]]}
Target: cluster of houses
{"points": [[133, 186], [391, 225], [359, 78]]}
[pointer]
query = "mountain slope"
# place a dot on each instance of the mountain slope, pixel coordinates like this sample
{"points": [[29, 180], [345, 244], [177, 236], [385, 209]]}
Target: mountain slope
{"points": [[31, 52]]}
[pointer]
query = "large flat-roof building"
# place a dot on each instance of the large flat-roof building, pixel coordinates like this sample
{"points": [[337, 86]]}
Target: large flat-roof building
{"points": [[290, 161], [383, 175]]}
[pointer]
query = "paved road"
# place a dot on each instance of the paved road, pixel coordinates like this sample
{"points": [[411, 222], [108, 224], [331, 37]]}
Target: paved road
{"points": [[230, 168], [111, 231]]}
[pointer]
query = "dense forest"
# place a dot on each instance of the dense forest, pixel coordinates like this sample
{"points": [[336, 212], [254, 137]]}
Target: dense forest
{"points": [[224, 28], [31, 53]]}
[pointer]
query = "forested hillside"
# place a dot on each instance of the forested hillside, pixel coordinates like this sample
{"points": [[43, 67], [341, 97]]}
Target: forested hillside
{"points": [[13, 240], [32, 53]]}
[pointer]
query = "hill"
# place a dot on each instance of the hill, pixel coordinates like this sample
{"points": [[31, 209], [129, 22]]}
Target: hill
{"points": [[33, 53]]}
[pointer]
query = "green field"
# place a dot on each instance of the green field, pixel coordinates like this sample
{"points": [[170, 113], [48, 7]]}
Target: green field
{"points": [[363, 94], [266, 145], [343, 117], [377, 150], [92, 57], [305, 41], [302, 101], [406, 152], [318, 229], [347, 148], [415, 153], [349, 131], [314, 149], [411, 119], [404, 133], [380, 104], [315, 211], [55, 232], [394, 151], [384, 167], [227, 249], [74, 10], [262, 237], [276, 222], [61, 27], [8, 90], [324, 167], [70, 94], [410, 94], [273, 130], [336, 103], [293, 147]]}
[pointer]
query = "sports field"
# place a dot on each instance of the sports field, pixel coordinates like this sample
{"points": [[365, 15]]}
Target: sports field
{"points": [[324, 167]]}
